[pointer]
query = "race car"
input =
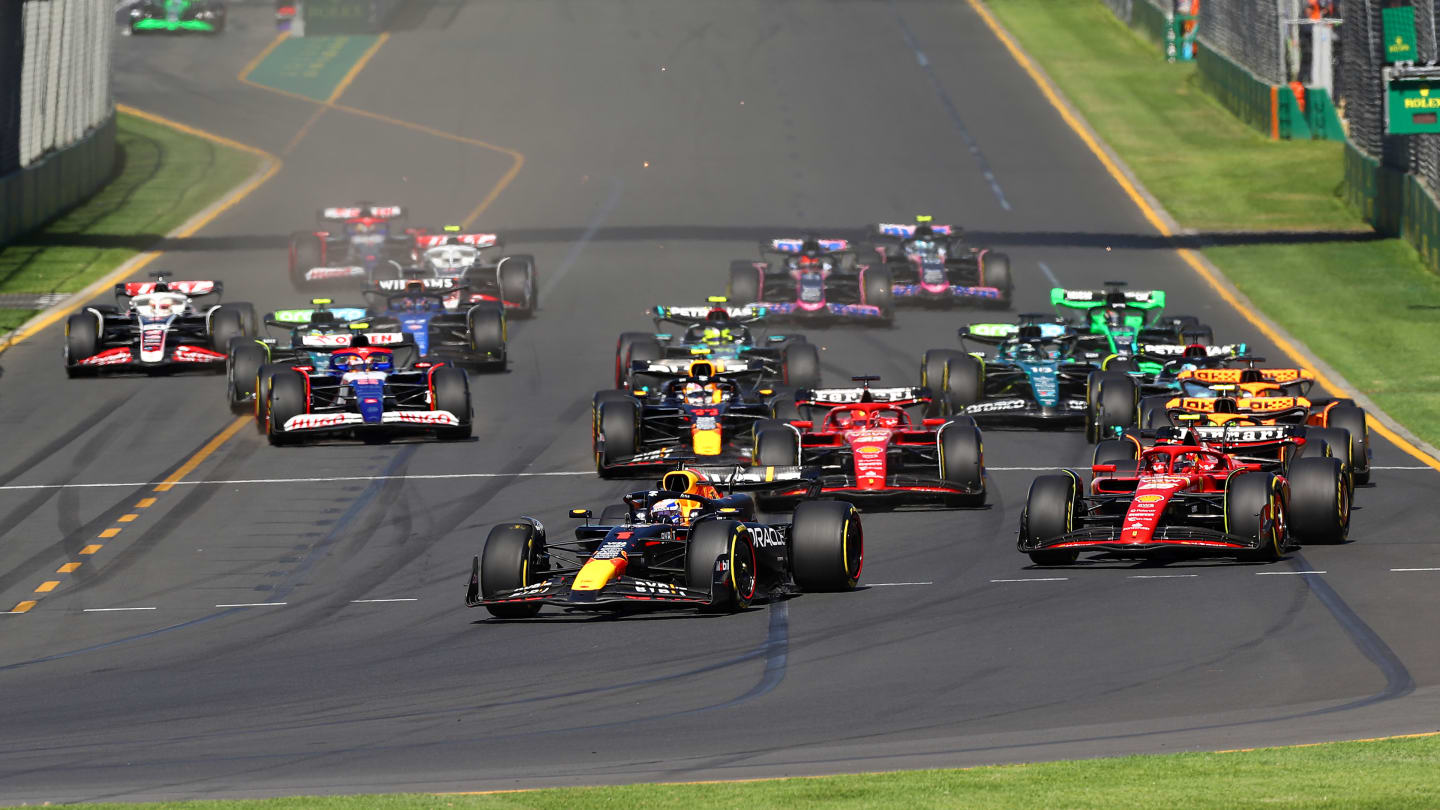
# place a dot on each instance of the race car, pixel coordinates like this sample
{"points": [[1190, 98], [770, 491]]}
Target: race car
{"points": [[360, 394], [175, 16], [1184, 500], [312, 335], [932, 266], [706, 417], [155, 326], [813, 280], [684, 544], [1118, 320], [454, 254], [721, 335], [443, 323], [354, 245], [870, 449]]}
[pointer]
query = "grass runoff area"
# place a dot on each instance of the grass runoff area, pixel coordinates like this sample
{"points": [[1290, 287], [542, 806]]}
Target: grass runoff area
{"points": [[1366, 305], [1391, 774], [164, 177]]}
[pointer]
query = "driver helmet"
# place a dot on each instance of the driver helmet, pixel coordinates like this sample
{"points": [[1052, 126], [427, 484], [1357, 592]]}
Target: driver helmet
{"points": [[347, 362], [856, 418], [694, 394], [162, 305], [1115, 316], [887, 420], [924, 231], [1158, 463], [674, 511], [1195, 351], [1185, 462]]}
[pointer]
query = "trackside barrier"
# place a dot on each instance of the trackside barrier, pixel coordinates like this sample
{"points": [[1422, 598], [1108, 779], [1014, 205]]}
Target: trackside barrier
{"points": [[1394, 203], [326, 17], [57, 182]]}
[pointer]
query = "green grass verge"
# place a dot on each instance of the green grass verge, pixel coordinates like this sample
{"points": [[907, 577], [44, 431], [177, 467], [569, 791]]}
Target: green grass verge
{"points": [[1391, 774], [1344, 300], [165, 178]]}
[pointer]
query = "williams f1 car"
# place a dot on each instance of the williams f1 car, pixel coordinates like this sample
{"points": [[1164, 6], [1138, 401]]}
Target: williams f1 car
{"points": [[155, 326], [355, 245], [681, 545], [932, 266], [813, 280], [720, 335], [443, 323]]}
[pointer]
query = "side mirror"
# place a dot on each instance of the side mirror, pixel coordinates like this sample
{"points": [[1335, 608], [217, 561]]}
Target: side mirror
{"points": [[803, 424], [1103, 468], [933, 422], [580, 514]]}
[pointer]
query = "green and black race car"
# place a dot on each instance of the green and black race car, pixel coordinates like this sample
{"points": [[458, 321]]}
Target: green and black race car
{"points": [[1118, 321], [176, 16]]}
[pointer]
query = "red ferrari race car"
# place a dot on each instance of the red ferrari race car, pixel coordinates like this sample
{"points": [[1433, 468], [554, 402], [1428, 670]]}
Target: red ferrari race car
{"points": [[870, 449], [156, 326], [1186, 499]]}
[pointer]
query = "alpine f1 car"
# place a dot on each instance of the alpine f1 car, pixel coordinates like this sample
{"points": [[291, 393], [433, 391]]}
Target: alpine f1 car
{"points": [[176, 16], [932, 266], [155, 326], [720, 335], [475, 261], [814, 280], [870, 449], [443, 324], [361, 394], [356, 245], [1184, 500], [681, 545], [705, 417]]}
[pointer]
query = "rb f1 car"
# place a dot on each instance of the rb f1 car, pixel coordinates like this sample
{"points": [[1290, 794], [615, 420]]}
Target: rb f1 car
{"points": [[355, 244], [721, 335], [682, 545], [811, 282], [174, 16], [155, 326], [932, 266]]}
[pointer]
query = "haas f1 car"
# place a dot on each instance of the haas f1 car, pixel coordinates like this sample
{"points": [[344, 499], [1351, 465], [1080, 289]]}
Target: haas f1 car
{"points": [[815, 281], [356, 244], [155, 326], [870, 449], [932, 266], [475, 262], [681, 545], [720, 335]]}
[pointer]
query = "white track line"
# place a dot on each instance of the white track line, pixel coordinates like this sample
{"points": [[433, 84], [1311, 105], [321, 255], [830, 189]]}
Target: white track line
{"points": [[1415, 569], [1285, 573], [326, 480], [367, 601], [1033, 579], [115, 610], [891, 584], [255, 604], [1161, 576]]}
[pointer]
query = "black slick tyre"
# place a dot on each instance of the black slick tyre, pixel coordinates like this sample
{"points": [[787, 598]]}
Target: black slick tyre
{"points": [[486, 328], [226, 324], [286, 400], [962, 460], [744, 285], [512, 559], [801, 365], [1114, 406], [995, 272], [617, 437], [827, 546], [1049, 513], [955, 379], [1352, 419], [517, 283], [1152, 413], [451, 392], [1114, 451], [720, 559], [622, 355], [877, 290], [776, 446], [306, 253], [1319, 500], [1333, 442], [242, 367], [82, 340], [1255, 509]]}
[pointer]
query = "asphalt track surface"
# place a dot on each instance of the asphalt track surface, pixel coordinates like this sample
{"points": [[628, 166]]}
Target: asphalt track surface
{"points": [[661, 139]]}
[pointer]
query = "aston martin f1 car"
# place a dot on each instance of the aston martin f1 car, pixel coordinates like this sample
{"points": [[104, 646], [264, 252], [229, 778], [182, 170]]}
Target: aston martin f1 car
{"points": [[720, 335], [683, 544], [706, 417], [176, 16], [443, 323], [355, 245], [870, 449], [361, 394], [1184, 500], [476, 261], [932, 266], [815, 281], [155, 326]]}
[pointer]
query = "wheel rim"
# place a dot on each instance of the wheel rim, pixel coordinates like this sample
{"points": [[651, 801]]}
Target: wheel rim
{"points": [[742, 569], [852, 549]]}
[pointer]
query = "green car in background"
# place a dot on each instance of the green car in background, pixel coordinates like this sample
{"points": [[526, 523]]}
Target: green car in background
{"points": [[205, 16]]}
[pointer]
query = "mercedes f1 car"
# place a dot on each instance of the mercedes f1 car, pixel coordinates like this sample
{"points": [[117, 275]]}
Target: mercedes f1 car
{"points": [[361, 394], [155, 326], [476, 262], [814, 280], [870, 449], [356, 244], [175, 16], [444, 324], [720, 335], [1185, 499], [684, 544], [932, 266]]}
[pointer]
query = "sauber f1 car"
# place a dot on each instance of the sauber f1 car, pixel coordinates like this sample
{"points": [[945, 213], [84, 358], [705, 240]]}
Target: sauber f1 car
{"points": [[155, 326], [361, 394], [1185, 499], [870, 449], [720, 335], [355, 244], [474, 261], [444, 323], [932, 266], [1118, 320], [681, 545], [814, 280], [174, 16]]}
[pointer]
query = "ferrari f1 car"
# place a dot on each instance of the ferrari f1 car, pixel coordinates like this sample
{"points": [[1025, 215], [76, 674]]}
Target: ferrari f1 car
{"points": [[681, 545], [720, 335], [870, 449], [932, 266], [476, 262], [444, 324], [1185, 499], [155, 326], [356, 244], [175, 16], [361, 394], [814, 280]]}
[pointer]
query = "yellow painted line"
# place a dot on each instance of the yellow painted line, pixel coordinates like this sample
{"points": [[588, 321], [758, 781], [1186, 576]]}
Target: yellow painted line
{"points": [[67, 568], [260, 57], [1186, 255], [356, 68], [145, 503], [92, 548], [204, 453], [109, 533], [126, 518], [23, 607], [1332, 742], [48, 586]]}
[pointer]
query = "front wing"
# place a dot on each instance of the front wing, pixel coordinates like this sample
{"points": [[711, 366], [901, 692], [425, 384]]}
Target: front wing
{"points": [[941, 295], [1018, 412], [1196, 540], [618, 593], [396, 421]]}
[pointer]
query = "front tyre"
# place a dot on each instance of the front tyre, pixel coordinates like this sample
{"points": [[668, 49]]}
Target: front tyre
{"points": [[1255, 510], [514, 557], [962, 461], [1050, 511], [450, 387], [720, 560], [287, 400]]}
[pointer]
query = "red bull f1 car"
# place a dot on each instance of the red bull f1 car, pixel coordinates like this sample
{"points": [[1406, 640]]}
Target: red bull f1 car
{"points": [[932, 266], [814, 281], [684, 544], [156, 326]]}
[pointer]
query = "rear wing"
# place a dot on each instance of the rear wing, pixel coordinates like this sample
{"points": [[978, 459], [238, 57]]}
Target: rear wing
{"points": [[793, 246], [400, 285], [300, 317], [190, 288], [1211, 376], [425, 241], [1175, 350], [997, 333], [1090, 299], [349, 212], [902, 231], [850, 396], [690, 316], [1252, 405], [1231, 434], [735, 478]]}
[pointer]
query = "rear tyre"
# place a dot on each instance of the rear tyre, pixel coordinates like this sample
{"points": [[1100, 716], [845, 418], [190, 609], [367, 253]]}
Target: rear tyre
{"points": [[1319, 500], [1049, 513], [287, 400], [486, 327], [1114, 451], [801, 365], [744, 283], [827, 546], [452, 393], [962, 460], [955, 379], [776, 447], [242, 367], [517, 283], [877, 290], [618, 436], [82, 340], [623, 346], [720, 558], [306, 252], [783, 406], [1335, 443], [513, 558], [1255, 509], [1153, 414], [247, 316], [1352, 418], [225, 325], [995, 272]]}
